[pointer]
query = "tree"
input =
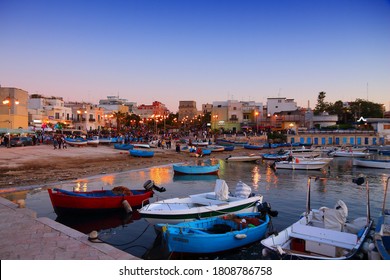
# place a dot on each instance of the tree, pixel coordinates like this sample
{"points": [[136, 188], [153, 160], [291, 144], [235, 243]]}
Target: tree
{"points": [[119, 116], [321, 105]]}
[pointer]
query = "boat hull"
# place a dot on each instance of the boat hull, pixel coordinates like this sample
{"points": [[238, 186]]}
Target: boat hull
{"points": [[244, 158], [176, 210], [381, 164], [68, 202], [196, 169], [201, 236], [301, 165], [124, 147], [305, 240], [76, 142], [141, 153], [382, 236]]}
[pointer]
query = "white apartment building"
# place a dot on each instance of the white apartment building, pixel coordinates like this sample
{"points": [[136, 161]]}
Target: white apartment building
{"points": [[115, 104], [47, 110], [280, 104]]}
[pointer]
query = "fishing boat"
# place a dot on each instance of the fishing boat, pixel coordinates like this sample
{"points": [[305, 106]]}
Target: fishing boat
{"points": [[141, 145], [348, 153], [79, 142], [200, 143], [304, 152], [93, 141], [104, 140], [141, 153], [228, 147], [202, 205], [200, 168], [253, 147], [372, 163], [124, 147], [300, 164], [322, 233], [215, 234], [382, 229], [100, 201], [248, 158], [280, 155], [216, 148]]}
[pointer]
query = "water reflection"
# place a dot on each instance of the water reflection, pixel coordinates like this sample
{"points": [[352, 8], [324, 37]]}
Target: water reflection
{"points": [[87, 224], [189, 178], [285, 190]]}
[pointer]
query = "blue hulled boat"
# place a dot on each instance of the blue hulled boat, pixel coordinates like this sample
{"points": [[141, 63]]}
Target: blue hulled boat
{"points": [[216, 234], [382, 229], [124, 147], [196, 169], [141, 153]]}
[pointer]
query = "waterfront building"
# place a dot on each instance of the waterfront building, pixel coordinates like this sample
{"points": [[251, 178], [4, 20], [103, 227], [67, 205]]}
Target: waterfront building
{"points": [[13, 108], [87, 116], [154, 111], [336, 138], [276, 105], [207, 108], [47, 111], [187, 110], [115, 104]]}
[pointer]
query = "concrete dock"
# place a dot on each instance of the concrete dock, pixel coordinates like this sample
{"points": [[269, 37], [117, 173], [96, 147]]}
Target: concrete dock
{"points": [[23, 236]]}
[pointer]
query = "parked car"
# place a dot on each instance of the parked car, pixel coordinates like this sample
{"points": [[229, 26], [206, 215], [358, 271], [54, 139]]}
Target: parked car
{"points": [[21, 141]]}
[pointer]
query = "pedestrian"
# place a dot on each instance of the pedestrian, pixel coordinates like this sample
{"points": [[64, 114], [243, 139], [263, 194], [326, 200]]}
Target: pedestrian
{"points": [[55, 143], [177, 147]]}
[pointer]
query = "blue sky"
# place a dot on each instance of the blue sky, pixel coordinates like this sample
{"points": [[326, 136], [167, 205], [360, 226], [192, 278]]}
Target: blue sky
{"points": [[199, 50]]}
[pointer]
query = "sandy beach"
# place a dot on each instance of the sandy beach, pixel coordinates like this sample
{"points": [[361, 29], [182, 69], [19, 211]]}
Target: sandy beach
{"points": [[39, 165]]}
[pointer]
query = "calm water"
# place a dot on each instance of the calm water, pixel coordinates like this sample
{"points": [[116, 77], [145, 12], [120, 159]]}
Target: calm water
{"points": [[284, 189]]}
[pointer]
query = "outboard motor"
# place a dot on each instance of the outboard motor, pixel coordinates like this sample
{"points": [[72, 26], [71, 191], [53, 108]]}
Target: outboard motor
{"points": [[265, 208], [149, 185], [358, 181]]}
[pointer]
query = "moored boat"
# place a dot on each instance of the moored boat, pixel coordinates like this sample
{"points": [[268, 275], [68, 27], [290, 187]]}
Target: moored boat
{"points": [[100, 201], [93, 141], [216, 148], [201, 168], [79, 142], [348, 153], [280, 155], [202, 205], [124, 147], [322, 233], [299, 164], [215, 234], [141, 153], [372, 163], [253, 147], [248, 158], [382, 229]]}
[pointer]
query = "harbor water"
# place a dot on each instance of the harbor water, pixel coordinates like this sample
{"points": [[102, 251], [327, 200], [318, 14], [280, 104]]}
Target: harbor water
{"points": [[285, 190]]}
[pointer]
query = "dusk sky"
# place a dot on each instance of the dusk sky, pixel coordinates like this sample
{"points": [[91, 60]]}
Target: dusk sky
{"points": [[214, 50]]}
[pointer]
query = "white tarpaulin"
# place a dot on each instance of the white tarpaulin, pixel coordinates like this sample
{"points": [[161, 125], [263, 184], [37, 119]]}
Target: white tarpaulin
{"points": [[243, 190], [335, 218], [221, 190]]}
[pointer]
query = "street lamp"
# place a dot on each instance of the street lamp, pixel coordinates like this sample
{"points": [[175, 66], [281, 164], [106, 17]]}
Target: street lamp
{"points": [[8, 101], [256, 114]]}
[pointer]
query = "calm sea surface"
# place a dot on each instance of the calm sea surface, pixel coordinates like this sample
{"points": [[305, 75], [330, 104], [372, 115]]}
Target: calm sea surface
{"points": [[285, 189]]}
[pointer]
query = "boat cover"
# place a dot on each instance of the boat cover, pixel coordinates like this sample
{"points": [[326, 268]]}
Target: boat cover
{"points": [[221, 190], [242, 190], [336, 218]]}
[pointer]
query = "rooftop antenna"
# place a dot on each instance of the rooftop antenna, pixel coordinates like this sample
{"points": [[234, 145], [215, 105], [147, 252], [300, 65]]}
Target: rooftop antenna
{"points": [[367, 91], [279, 92]]}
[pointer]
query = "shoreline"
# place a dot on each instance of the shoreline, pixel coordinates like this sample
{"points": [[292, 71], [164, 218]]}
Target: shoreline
{"points": [[25, 167]]}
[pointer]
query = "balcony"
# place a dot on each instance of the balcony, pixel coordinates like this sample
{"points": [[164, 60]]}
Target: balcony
{"points": [[91, 120]]}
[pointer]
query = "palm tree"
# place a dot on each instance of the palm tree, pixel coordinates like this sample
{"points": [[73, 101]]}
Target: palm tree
{"points": [[119, 117]]}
